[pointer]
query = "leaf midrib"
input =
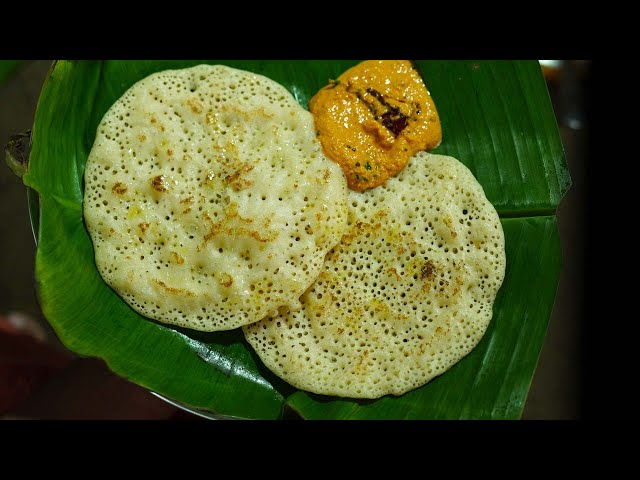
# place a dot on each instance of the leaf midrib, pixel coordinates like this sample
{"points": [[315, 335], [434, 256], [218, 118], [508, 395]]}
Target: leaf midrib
{"points": [[542, 212]]}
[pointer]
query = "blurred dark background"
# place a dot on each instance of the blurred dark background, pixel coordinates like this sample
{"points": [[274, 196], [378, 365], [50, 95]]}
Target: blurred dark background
{"points": [[555, 393]]}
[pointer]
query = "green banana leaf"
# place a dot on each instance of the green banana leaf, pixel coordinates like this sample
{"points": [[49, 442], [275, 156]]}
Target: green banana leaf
{"points": [[497, 119]]}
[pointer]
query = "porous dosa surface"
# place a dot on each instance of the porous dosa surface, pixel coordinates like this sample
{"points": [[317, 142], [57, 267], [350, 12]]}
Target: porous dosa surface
{"points": [[406, 294], [208, 199]]}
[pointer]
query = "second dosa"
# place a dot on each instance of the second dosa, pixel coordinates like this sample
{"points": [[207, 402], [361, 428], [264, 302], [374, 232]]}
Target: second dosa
{"points": [[406, 294]]}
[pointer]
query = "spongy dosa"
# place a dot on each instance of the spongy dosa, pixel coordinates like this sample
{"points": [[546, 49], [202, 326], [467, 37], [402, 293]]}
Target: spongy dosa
{"points": [[406, 294], [208, 199]]}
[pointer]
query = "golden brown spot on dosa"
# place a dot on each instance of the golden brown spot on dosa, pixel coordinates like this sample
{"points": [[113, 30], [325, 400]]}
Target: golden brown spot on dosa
{"points": [[236, 179], [142, 137], [159, 183], [428, 270], [177, 258], [448, 221], [143, 227], [174, 291], [195, 105], [323, 179], [229, 226], [428, 274], [226, 280], [392, 271], [208, 177], [119, 188], [361, 366], [359, 229], [456, 288], [379, 307], [441, 331], [325, 276]]}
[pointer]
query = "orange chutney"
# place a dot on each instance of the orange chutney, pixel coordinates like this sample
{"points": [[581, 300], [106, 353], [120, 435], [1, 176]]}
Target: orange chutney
{"points": [[373, 118]]}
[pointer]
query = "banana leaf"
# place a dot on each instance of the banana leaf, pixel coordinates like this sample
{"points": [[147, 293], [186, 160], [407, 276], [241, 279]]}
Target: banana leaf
{"points": [[497, 118]]}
